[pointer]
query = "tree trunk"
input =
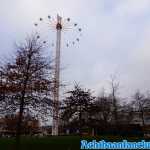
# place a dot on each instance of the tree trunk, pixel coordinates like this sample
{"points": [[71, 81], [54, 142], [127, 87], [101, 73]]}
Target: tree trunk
{"points": [[142, 116], [22, 105], [19, 123]]}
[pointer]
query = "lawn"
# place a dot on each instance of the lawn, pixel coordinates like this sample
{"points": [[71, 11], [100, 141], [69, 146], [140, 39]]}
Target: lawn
{"points": [[56, 143], [47, 143]]}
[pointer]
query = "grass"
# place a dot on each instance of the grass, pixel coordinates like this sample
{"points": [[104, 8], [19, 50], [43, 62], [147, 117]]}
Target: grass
{"points": [[57, 143], [47, 143]]}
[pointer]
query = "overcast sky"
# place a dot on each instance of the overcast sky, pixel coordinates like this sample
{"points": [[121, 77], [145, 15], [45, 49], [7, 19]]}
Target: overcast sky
{"points": [[116, 39]]}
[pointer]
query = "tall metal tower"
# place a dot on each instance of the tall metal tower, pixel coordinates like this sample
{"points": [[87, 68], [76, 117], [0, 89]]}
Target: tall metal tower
{"points": [[56, 78], [59, 25]]}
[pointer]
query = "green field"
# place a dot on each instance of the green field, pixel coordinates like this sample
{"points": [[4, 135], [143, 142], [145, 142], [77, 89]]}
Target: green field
{"points": [[56, 143], [48, 143]]}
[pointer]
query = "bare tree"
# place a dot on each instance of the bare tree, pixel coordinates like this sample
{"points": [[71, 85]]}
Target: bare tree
{"points": [[102, 109], [114, 87], [126, 113], [139, 102], [27, 80]]}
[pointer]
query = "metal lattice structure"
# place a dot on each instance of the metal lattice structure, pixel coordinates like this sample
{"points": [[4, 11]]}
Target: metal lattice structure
{"points": [[59, 25]]}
